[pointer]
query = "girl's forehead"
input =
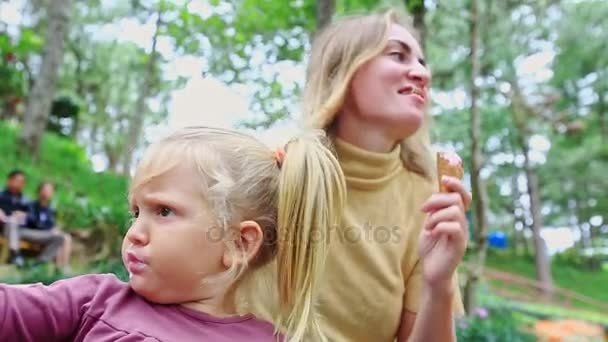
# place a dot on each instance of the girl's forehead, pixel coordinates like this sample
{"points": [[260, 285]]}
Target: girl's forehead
{"points": [[169, 188]]}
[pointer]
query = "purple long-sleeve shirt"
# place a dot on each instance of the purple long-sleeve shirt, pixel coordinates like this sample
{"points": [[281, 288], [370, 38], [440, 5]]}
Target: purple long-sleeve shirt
{"points": [[100, 308]]}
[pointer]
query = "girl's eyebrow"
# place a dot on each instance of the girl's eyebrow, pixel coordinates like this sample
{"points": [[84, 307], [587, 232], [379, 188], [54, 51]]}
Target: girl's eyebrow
{"points": [[159, 199], [406, 48]]}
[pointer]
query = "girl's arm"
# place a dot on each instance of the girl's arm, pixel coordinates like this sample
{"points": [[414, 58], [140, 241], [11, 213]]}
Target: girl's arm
{"points": [[44, 313]]}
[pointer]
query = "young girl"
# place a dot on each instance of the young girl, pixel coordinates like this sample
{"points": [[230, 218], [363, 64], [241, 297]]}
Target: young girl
{"points": [[391, 269], [209, 206]]}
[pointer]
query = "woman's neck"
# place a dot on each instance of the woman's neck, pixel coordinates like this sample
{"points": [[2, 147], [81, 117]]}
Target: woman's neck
{"points": [[363, 135]]}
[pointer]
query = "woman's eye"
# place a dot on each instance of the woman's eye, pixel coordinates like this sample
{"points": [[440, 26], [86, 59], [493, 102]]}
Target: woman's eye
{"points": [[164, 211]]}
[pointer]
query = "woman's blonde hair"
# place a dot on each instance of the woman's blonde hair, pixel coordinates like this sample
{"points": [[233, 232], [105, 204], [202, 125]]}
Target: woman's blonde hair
{"points": [[296, 201], [337, 53]]}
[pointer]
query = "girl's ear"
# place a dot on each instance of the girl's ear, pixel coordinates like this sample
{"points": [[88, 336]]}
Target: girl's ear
{"points": [[248, 240]]}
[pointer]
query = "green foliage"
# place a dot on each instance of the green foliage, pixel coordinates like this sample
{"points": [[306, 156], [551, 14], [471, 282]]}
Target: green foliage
{"points": [[249, 37], [12, 54], [13, 80], [63, 116], [577, 57], [496, 325], [568, 109], [84, 199]]}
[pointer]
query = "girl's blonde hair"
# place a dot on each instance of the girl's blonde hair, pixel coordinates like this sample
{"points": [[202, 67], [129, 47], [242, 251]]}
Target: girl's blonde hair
{"points": [[295, 201], [337, 53]]}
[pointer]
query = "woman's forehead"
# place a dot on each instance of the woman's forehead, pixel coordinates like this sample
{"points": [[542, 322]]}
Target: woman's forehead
{"points": [[398, 34]]}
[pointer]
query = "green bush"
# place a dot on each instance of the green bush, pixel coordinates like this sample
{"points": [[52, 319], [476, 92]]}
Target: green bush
{"points": [[84, 199], [574, 258], [492, 325]]}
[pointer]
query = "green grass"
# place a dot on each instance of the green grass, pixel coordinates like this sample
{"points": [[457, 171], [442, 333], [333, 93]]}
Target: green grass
{"points": [[588, 283], [530, 312]]}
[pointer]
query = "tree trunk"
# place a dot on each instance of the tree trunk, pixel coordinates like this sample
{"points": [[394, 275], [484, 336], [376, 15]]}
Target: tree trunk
{"points": [[543, 266], [519, 240], [40, 98], [592, 233], [325, 10], [480, 195], [112, 157], [113, 160], [521, 111], [100, 100], [79, 89], [577, 214], [418, 11], [582, 217], [137, 120], [523, 247], [522, 242], [601, 112]]}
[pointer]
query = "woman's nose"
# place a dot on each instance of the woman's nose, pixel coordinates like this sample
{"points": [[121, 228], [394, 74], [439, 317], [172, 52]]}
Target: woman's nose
{"points": [[420, 74]]}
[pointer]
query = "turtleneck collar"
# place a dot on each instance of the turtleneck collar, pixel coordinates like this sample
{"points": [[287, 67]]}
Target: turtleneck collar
{"points": [[365, 169]]}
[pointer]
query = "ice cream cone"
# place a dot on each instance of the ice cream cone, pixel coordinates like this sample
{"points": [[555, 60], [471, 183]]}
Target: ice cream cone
{"points": [[448, 164]]}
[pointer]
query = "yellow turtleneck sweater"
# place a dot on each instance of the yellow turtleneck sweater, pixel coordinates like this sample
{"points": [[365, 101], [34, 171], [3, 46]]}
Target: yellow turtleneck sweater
{"points": [[373, 270]]}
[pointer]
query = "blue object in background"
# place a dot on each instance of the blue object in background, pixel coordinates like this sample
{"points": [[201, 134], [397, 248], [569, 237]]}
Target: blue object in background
{"points": [[498, 240]]}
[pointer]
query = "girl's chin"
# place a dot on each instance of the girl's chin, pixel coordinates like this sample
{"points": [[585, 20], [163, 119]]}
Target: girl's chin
{"points": [[142, 288]]}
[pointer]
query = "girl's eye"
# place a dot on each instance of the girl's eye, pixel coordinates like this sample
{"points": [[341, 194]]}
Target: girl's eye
{"points": [[135, 212], [398, 55], [164, 211]]}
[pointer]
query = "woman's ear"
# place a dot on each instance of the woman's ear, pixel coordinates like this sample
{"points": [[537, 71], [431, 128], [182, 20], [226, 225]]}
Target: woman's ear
{"points": [[248, 240]]}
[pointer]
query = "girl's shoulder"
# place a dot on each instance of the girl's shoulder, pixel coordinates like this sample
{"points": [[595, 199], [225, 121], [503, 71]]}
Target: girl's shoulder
{"points": [[91, 288], [98, 281]]}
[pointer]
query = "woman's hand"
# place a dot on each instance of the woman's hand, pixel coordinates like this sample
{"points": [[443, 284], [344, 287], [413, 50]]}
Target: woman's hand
{"points": [[443, 240]]}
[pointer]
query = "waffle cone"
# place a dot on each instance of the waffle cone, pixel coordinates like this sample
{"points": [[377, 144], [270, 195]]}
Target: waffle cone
{"points": [[448, 165]]}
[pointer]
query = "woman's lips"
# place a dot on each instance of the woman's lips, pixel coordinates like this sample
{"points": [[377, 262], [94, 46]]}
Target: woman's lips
{"points": [[416, 92]]}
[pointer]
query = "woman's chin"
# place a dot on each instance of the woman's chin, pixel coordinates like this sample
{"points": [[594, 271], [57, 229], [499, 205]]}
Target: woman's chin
{"points": [[406, 126]]}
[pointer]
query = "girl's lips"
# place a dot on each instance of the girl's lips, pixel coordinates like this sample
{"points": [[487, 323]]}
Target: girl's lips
{"points": [[135, 264], [136, 267], [132, 257]]}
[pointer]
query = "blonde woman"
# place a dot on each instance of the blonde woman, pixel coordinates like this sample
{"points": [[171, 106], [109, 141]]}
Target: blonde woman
{"points": [[391, 269], [209, 207]]}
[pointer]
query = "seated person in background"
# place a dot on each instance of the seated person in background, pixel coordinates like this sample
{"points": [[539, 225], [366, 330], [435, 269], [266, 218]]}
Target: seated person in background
{"points": [[13, 208], [40, 228]]}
